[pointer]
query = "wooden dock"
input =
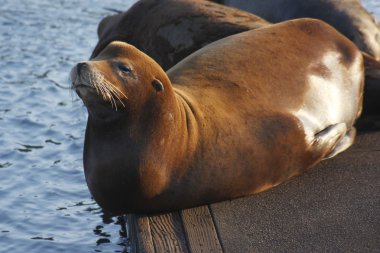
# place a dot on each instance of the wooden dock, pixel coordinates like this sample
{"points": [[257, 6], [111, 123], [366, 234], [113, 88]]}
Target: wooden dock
{"points": [[333, 208], [190, 230]]}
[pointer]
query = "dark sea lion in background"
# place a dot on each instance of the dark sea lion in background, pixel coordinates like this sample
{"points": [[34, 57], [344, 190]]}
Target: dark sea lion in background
{"points": [[347, 16], [170, 30], [370, 118], [218, 125]]}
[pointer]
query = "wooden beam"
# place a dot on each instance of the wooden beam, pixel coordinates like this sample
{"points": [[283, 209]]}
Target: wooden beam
{"points": [[200, 230], [167, 233], [191, 230], [157, 233], [140, 234]]}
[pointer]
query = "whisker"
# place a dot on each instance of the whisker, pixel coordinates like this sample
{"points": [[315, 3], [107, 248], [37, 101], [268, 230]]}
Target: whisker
{"points": [[108, 93], [113, 99], [109, 96], [94, 80], [93, 77], [119, 91], [103, 90], [114, 90], [106, 89]]}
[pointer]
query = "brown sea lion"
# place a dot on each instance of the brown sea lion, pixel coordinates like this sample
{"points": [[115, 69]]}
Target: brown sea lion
{"points": [[237, 117], [349, 17], [170, 30]]}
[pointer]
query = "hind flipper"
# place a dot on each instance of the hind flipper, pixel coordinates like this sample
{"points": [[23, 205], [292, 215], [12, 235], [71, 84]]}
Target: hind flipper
{"points": [[333, 139], [343, 144]]}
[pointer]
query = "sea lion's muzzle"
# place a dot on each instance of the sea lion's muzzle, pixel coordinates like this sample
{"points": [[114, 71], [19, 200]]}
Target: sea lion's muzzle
{"points": [[83, 88], [92, 85], [76, 73]]}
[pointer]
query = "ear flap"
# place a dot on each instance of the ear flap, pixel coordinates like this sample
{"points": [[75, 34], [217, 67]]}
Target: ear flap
{"points": [[157, 85]]}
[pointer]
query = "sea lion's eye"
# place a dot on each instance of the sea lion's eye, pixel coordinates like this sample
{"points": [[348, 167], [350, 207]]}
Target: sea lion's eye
{"points": [[157, 85], [125, 69]]}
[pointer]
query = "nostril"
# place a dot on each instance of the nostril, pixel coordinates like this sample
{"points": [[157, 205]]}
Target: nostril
{"points": [[81, 66]]}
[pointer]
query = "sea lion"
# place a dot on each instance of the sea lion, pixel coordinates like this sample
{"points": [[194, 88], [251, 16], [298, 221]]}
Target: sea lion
{"points": [[173, 29], [237, 117], [348, 16]]}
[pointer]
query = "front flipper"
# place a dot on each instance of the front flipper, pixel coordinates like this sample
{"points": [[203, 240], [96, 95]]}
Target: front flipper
{"points": [[333, 140]]}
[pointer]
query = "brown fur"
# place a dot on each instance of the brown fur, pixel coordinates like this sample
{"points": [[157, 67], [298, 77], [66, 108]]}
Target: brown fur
{"points": [[234, 119]]}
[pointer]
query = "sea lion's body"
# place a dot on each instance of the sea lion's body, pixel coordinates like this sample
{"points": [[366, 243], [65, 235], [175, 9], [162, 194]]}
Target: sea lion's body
{"points": [[349, 17], [237, 117]]}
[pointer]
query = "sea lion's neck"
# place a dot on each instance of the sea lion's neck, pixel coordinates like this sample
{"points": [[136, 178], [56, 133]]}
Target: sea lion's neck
{"points": [[189, 123], [152, 145]]}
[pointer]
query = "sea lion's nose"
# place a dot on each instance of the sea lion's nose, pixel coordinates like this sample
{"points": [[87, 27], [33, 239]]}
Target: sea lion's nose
{"points": [[81, 66]]}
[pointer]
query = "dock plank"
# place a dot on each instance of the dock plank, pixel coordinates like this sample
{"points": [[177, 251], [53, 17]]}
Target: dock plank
{"points": [[162, 233], [200, 230], [140, 234], [167, 233]]}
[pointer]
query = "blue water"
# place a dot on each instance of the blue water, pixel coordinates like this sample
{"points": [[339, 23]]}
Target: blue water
{"points": [[45, 205]]}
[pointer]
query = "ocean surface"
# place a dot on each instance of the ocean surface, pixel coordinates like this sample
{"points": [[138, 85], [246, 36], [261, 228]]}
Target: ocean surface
{"points": [[45, 205]]}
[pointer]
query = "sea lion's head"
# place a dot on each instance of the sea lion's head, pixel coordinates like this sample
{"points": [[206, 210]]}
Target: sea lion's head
{"points": [[119, 80]]}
